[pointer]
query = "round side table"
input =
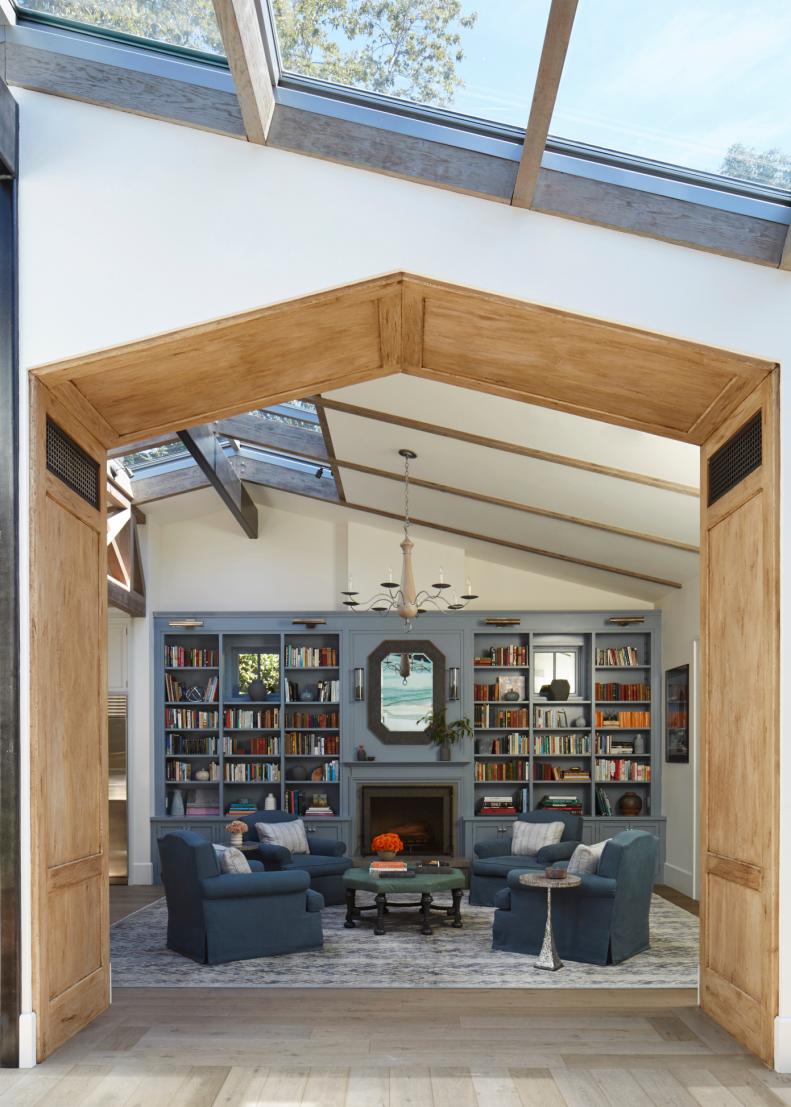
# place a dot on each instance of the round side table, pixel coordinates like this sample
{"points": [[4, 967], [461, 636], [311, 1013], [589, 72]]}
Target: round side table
{"points": [[548, 957]]}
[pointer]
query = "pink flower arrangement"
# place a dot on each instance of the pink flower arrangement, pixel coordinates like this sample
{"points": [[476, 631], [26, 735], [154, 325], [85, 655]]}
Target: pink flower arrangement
{"points": [[237, 827]]}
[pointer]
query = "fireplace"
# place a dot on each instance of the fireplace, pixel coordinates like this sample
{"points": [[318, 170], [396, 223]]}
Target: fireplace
{"points": [[423, 815]]}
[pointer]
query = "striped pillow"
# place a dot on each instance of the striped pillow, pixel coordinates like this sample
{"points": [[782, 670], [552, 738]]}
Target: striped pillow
{"points": [[290, 834], [529, 838], [585, 859], [232, 860]]}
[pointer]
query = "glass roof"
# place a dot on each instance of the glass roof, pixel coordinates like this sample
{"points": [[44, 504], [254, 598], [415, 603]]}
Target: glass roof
{"points": [[476, 59], [702, 84], [187, 24]]}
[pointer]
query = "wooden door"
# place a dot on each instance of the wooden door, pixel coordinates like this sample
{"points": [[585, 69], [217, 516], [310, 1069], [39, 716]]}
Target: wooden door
{"points": [[71, 974], [740, 721]]}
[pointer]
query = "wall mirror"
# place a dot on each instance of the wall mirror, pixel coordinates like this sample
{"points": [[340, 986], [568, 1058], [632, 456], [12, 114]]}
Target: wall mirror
{"points": [[406, 681]]}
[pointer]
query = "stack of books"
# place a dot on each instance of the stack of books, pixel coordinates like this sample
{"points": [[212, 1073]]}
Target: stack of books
{"points": [[497, 805], [572, 804], [318, 810], [389, 869], [241, 807], [202, 809]]}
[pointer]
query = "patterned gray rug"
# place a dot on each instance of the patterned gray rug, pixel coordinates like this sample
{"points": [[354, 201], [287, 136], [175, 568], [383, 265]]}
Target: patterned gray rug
{"points": [[403, 958]]}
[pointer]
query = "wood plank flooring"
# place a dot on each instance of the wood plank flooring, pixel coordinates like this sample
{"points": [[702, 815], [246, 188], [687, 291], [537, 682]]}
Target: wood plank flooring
{"points": [[196, 1047], [223, 1047]]}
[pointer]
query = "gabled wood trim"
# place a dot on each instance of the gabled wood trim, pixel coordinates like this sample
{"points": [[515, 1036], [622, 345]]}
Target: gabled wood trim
{"points": [[242, 38], [550, 69], [528, 509], [507, 447]]}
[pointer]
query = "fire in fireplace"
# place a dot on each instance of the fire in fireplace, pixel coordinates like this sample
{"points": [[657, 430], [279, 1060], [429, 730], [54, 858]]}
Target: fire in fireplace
{"points": [[423, 815]]}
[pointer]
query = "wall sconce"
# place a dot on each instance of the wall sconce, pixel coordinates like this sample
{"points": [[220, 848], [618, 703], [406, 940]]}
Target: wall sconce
{"points": [[453, 682], [359, 684], [187, 624]]}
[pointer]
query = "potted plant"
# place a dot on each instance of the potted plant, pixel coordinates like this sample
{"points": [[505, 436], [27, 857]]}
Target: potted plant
{"points": [[445, 735], [387, 846]]}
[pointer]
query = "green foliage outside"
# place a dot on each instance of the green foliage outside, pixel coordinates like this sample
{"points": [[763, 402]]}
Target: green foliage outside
{"points": [[407, 48], [253, 666], [767, 167]]}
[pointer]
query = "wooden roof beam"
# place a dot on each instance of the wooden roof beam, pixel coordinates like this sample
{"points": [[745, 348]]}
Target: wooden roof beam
{"points": [[243, 39], [204, 445], [550, 70]]}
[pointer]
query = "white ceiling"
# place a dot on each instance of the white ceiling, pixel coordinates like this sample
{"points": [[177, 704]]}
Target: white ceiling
{"points": [[461, 466]]}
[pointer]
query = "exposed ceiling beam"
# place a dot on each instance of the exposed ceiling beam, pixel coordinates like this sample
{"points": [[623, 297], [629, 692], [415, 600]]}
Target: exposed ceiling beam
{"points": [[325, 430], [149, 489], [243, 39], [785, 259], [283, 480], [126, 600], [528, 509], [270, 434], [204, 445], [550, 69], [508, 447]]}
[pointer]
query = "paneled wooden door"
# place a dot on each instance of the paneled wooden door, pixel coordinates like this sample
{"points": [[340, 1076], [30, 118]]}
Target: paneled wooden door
{"points": [[71, 968], [740, 721]]}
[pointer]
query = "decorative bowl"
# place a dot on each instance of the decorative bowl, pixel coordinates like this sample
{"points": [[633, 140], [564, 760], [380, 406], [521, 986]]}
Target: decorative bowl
{"points": [[553, 873]]}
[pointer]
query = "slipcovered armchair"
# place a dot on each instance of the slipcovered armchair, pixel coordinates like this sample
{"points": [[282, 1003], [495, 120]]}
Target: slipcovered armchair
{"points": [[215, 917], [325, 864], [602, 922], [494, 860]]}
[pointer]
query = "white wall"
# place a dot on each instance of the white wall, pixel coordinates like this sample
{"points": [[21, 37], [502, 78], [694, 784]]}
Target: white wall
{"points": [[110, 252], [680, 642]]}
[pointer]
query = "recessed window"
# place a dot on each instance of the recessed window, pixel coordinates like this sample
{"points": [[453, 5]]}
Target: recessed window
{"points": [[258, 666], [549, 665]]}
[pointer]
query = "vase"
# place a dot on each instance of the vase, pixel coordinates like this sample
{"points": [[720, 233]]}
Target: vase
{"points": [[177, 804], [236, 840], [639, 744], [630, 804], [444, 753], [270, 803], [257, 691], [386, 854]]}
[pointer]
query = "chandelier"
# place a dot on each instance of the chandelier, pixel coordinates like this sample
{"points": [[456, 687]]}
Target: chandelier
{"points": [[404, 598]]}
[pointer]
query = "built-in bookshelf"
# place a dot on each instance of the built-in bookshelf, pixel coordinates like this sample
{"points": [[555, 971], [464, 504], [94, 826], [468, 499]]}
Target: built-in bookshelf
{"points": [[250, 719], [577, 754]]}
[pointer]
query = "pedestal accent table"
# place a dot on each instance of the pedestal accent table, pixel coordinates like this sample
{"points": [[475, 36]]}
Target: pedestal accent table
{"points": [[548, 957]]}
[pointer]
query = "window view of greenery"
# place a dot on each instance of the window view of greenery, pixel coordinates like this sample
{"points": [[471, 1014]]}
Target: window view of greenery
{"points": [[767, 167], [186, 23], [259, 666]]}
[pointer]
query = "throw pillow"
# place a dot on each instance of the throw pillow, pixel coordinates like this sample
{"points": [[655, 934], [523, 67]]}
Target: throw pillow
{"points": [[232, 860], [291, 835], [529, 838], [585, 859]]}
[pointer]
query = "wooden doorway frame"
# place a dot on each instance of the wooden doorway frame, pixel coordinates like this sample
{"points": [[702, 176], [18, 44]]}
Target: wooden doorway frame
{"points": [[402, 323]]}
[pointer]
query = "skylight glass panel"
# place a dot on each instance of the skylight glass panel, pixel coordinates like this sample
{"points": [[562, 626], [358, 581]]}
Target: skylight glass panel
{"points": [[701, 84], [477, 58], [188, 24]]}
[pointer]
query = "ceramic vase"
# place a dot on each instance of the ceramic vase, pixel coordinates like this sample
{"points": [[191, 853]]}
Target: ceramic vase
{"points": [[177, 804], [257, 691], [270, 803], [444, 753], [630, 804], [236, 840]]}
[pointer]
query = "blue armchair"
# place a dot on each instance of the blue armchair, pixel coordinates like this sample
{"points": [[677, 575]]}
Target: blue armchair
{"points": [[325, 864], [215, 917], [602, 922], [494, 860]]}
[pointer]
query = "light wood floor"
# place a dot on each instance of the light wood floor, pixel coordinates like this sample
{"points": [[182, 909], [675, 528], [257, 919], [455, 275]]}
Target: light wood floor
{"points": [[206, 1047]]}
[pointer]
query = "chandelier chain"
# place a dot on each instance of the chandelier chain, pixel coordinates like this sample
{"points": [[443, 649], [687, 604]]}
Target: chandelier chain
{"points": [[407, 523]]}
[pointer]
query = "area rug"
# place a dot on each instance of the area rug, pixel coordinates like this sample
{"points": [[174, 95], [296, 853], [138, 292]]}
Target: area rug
{"points": [[402, 957]]}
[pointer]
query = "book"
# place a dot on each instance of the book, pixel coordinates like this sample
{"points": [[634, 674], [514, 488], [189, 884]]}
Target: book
{"points": [[376, 865]]}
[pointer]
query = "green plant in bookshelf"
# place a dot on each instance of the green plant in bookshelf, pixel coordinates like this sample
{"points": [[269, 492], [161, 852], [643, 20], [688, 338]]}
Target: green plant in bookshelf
{"points": [[443, 734], [259, 666]]}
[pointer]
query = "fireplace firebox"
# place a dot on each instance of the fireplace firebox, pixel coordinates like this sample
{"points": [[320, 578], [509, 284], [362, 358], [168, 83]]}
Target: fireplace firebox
{"points": [[423, 815]]}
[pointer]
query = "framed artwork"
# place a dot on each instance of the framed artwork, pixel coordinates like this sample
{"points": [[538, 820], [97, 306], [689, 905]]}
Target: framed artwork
{"points": [[677, 714]]}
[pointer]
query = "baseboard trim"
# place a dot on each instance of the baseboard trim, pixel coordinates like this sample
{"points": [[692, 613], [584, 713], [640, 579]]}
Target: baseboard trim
{"points": [[141, 873], [782, 1043], [27, 1040], [680, 879]]}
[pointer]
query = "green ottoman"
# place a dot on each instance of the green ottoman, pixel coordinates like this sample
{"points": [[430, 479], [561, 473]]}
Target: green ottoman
{"points": [[426, 885]]}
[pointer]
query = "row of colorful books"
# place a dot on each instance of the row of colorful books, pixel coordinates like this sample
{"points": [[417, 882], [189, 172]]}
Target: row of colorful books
{"points": [[179, 657], [190, 718], [504, 656], [626, 719], [616, 691], [311, 657]]}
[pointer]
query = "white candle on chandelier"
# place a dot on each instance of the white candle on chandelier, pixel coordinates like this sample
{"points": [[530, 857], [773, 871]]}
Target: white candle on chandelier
{"points": [[469, 587], [441, 575], [349, 585], [389, 575]]}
